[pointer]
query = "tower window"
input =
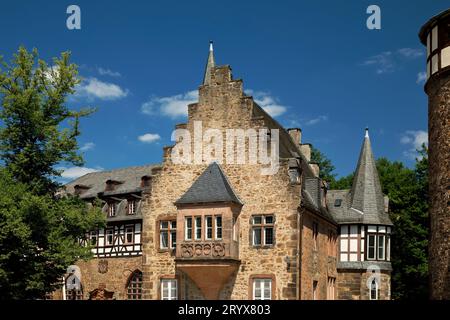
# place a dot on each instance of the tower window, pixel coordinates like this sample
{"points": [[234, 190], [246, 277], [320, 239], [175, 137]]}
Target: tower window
{"points": [[374, 290], [167, 234], [337, 202]]}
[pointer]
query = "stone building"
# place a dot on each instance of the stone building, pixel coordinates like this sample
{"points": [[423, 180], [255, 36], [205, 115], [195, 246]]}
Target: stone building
{"points": [[211, 229], [435, 35]]}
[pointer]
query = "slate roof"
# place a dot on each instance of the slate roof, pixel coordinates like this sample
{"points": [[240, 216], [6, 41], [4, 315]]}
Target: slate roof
{"points": [[311, 198], [130, 179], [211, 186], [364, 203]]}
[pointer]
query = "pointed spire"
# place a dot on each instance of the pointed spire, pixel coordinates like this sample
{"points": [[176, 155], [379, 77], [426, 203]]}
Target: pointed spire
{"points": [[209, 65], [366, 194]]}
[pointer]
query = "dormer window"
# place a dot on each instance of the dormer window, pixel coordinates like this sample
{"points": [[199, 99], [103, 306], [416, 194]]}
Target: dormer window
{"points": [[112, 209], [111, 185], [132, 207]]}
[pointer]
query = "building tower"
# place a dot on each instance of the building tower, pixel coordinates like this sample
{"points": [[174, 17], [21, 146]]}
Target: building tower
{"points": [[435, 34], [364, 267]]}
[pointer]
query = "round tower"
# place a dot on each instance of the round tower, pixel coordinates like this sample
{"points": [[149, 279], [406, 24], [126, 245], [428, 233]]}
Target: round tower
{"points": [[435, 35]]}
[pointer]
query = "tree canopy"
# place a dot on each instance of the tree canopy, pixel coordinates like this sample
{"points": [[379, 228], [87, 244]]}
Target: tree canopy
{"points": [[39, 230]]}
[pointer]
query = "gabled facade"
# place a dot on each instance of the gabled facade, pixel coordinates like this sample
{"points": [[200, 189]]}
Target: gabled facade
{"points": [[223, 230]]}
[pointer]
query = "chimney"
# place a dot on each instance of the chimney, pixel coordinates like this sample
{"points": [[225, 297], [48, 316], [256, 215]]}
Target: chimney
{"points": [[306, 150], [315, 168], [296, 135]]}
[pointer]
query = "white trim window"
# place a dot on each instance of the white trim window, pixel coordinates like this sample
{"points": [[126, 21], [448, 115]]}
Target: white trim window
{"points": [[111, 209], [188, 228], [109, 236], [209, 227], [371, 247], [167, 234], [262, 289], [263, 230], [131, 207], [169, 289], [218, 228], [198, 228], [129, 234]]}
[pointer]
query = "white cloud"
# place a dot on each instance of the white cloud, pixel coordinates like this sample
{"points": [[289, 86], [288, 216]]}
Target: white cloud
{"points": [[149, 137], [88, 146], [172, 106], [269, 103], [388, 61], [414, 140], [93, 88], [108, 72], [76, 172], [316, 120], [383, 62], [410, 52], [421, 77]]}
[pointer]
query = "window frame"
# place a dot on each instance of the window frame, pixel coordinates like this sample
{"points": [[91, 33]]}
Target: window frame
{"points": [[217, 227], [126, 233], [112, 209], [262, 287], [170, 281], [198, 228], [186, 228], [132, 206], [376, 290], [260, 228], [171, 240], [209, 218]]}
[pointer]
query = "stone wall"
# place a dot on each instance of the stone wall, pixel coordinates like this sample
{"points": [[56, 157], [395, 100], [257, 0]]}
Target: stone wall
{"points": [[115, 278], [352, 285], [223, 106], [438, 90], [316, 265]]}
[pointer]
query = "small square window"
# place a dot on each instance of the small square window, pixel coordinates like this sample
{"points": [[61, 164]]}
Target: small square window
{"points": [[337, 202]]}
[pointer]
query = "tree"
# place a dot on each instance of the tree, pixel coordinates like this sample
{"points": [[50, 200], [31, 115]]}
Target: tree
{"points": [[33, 110], [326, 167], [39, 230]]}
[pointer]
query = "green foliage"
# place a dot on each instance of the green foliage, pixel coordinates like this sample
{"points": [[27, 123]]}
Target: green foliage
{"points": [[326, 167], [39, 238], [32, 140], [39, 231]]}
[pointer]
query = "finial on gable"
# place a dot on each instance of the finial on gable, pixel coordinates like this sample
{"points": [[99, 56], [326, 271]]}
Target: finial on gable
{"points": [[367, 132], [211, 45]]}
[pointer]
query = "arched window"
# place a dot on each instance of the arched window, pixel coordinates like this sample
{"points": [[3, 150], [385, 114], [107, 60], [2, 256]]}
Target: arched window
{"points": [[134, 286], [373, 290]]}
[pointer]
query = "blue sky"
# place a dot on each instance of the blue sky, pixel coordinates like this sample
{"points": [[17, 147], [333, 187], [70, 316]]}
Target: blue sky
{"points": [[313, 64]]}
